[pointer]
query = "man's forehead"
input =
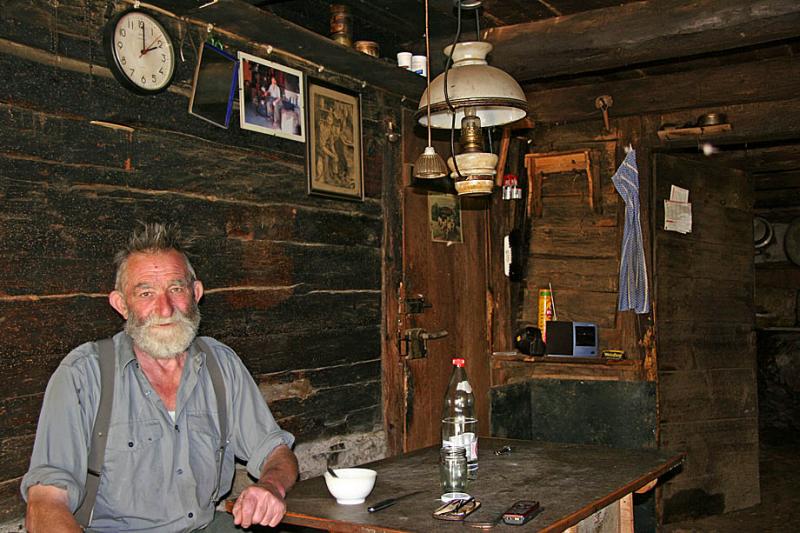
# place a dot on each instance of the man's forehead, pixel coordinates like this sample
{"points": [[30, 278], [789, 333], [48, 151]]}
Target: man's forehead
{"points": [[166, 264]]}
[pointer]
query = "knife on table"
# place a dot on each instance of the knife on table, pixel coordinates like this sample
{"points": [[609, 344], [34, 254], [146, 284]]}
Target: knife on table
{"points": [[383, 504]]}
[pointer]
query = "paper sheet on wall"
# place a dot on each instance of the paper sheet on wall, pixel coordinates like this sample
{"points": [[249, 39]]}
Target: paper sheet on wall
{"points": [[679, 194], [677, 216]]}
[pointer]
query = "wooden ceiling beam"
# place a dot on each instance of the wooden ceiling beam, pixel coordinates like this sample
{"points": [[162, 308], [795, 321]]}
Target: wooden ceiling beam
{"points": [[247, 21], [634, 33], [757, 81]]}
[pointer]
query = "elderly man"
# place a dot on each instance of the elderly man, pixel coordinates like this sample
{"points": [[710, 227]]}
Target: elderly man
{"points": [[165, 461]]}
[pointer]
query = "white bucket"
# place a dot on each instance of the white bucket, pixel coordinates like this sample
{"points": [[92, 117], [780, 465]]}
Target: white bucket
{"points": [[404, 60]]}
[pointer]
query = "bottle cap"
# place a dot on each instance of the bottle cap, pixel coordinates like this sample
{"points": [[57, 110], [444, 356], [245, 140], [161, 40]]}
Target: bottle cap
{"points": [[458, 361]]}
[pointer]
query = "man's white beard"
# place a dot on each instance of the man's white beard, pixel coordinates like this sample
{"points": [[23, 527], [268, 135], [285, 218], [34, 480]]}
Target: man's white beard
{"points": [[160, 342]]}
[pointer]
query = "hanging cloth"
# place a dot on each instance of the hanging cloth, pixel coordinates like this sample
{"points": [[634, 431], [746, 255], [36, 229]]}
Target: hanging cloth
{"points": [[633, 291]]}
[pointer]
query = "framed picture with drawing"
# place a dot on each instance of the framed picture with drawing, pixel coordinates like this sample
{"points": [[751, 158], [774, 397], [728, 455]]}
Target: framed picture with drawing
{"points": [[334, 147]]}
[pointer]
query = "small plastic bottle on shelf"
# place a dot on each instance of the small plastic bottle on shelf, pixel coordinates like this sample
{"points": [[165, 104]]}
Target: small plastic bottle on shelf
{"points": [[459, 425]]}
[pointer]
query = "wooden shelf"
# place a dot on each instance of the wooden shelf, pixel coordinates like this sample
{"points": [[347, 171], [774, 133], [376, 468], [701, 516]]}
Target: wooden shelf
{"points": [[243, 19], [698, 132], [514, 367]]}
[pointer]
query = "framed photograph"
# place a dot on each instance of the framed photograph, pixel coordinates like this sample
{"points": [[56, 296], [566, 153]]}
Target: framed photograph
{"points": [[334, 148], [444, 217], [271, 98]]}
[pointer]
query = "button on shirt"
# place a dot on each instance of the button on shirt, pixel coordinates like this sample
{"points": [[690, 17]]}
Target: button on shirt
{"points": [[159, 474]]}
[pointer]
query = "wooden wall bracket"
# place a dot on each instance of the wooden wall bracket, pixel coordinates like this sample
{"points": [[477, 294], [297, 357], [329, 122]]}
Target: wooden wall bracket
{"points": [[540, 164]]}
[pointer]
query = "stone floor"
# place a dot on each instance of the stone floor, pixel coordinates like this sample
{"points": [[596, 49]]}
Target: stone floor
{"points": [[779, 509]]}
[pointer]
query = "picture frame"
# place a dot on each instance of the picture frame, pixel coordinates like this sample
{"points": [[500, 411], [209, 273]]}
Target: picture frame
{"points": [[214, 86], [335, 148], [271, 98], [444, 218]]}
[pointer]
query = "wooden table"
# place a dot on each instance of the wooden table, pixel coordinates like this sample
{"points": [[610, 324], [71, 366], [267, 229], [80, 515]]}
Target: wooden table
{"points": [[572, 482]]}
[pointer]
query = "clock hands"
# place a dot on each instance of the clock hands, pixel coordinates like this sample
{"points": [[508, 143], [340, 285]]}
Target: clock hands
{"points": [[144, 48], [151, 47]]}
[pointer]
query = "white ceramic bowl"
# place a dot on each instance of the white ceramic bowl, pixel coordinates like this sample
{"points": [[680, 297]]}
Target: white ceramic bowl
{"points": [[352, 485]]}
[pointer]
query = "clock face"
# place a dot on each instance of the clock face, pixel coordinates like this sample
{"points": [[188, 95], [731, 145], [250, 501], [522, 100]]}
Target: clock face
{"points": [[141, 54]]}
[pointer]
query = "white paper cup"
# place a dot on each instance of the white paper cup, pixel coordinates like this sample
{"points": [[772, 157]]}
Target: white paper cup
{"points": [[404, 60], [418, 65]]}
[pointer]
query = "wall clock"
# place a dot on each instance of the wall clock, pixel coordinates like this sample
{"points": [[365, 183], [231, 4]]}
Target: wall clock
{"points": [[139, 52]]}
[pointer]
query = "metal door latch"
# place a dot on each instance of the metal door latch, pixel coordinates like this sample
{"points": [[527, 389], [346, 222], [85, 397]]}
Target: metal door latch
{"points": [[415, 341], [416, 305]]}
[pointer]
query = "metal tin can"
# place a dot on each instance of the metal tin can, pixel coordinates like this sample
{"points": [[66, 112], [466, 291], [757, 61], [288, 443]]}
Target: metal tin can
{"points": [[341, 24], [545, 311], [370, 48]]}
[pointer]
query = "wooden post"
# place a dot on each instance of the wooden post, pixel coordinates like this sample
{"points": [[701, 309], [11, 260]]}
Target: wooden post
{"points": [[626, 514], [501, 163]]}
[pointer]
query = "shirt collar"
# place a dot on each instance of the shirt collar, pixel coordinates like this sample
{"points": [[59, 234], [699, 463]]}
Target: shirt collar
{"points": [[124, 348]]}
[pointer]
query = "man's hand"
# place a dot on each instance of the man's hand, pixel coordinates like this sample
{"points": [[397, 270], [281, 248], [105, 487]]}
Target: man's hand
{"points": [[263, 503], [260, 504], [48, 511]]}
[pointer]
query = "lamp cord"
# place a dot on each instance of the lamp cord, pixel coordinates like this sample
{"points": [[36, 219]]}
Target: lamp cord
{"points": [[447, 97], [428, 68]]}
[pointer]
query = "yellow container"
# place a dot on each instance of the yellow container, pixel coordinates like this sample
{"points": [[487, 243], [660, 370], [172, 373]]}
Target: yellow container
{"points": [[545, 311]]}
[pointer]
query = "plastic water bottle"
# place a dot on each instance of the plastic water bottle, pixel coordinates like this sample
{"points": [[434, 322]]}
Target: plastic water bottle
{"points": [[459, 425]]}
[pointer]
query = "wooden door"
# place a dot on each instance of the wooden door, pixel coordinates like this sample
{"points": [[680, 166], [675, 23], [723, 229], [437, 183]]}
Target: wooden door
{"points": [[449, 279], [705, 324]]}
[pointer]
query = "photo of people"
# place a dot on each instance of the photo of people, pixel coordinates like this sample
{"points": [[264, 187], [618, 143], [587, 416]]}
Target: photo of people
{"points": [[271, 98], [444, 216], [335, 147]]}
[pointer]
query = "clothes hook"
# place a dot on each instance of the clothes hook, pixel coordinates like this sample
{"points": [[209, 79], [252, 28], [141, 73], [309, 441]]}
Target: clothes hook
{"points": [[603, 103]]}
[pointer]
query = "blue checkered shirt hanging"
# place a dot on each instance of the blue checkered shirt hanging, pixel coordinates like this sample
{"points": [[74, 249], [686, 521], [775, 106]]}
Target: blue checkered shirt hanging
{"points": [[633, 291]]}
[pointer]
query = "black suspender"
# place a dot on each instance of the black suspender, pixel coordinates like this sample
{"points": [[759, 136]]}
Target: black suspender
{"points": [[218, 383], [219, 390], [97, 446]]}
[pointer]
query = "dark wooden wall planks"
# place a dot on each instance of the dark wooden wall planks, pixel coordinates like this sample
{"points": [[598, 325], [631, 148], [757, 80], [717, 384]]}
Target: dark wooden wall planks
{"points": [[293, 281], [704, 293], [703, 365]]}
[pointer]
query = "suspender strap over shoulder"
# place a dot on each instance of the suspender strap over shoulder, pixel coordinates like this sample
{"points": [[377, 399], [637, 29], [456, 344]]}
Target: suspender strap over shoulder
{"points": [[215, 374], [102, 421], [97, 448]]}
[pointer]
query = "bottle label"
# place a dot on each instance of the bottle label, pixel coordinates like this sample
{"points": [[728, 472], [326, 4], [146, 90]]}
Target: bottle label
{"points": [[466, 440], [465, 386]]}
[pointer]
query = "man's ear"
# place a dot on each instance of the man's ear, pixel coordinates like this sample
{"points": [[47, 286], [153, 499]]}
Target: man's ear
{"points": [[117, 301], [198, 290]]}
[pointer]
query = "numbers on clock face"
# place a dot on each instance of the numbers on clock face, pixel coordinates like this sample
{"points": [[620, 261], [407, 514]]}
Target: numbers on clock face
{"points": [[144, 51]]}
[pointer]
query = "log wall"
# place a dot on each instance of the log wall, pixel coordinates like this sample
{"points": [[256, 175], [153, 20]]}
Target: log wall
{"points": [[573, 247], [293, 282], [706, 390]]}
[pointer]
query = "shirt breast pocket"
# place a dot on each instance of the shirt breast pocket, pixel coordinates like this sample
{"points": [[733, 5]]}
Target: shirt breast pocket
{"points": [[133, 450], [205, 457]]}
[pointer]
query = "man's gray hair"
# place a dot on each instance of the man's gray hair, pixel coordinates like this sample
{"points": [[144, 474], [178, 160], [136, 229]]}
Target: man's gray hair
{"points": [[150, 238]]}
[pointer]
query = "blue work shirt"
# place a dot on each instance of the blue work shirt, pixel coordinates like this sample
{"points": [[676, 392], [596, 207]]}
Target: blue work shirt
{"points": [[158, 474]]}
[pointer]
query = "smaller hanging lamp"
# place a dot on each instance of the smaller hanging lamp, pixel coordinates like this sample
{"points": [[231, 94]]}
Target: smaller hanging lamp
{"points": [[429, 165]]}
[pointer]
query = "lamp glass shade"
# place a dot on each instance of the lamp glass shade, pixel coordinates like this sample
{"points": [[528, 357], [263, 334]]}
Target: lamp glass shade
{"points": [[471, 82], [430, 165]]}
